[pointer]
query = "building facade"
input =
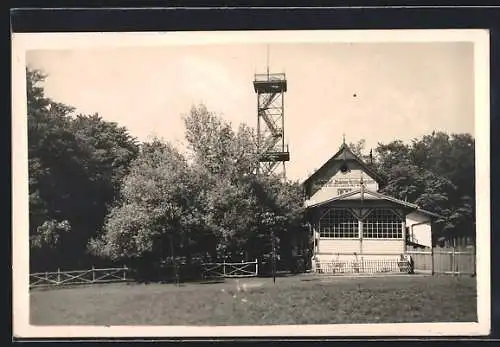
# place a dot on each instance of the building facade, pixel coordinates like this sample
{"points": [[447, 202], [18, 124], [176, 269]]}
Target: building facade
{"points": [[350, 220]]}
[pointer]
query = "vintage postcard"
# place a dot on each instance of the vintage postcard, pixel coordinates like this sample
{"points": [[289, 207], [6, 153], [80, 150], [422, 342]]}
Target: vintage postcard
{"points": [[251, 184]]}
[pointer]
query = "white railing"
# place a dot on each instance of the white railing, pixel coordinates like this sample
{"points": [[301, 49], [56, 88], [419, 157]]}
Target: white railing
{"points": [[270, 77], [228, 270], [362, 266], [61, 278]]}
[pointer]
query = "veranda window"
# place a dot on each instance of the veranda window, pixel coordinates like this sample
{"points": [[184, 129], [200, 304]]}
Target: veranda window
{"points": [[338, 223], [383, 224]]}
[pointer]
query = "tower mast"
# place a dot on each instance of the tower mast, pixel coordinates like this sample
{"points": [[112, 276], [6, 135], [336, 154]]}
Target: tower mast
{"points": [[270, 89]]}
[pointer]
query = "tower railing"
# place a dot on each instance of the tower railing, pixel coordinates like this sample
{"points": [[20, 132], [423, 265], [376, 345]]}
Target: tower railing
{"points": [[270, 77]]}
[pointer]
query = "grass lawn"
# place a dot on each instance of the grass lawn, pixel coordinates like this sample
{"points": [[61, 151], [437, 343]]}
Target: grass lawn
{"points": [[303, 299]]}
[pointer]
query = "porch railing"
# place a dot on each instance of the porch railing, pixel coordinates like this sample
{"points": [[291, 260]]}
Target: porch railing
{"points": [[363, 266]]}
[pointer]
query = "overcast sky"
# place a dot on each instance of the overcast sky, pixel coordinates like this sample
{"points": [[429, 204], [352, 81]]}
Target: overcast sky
{"points": [[402, 90]]}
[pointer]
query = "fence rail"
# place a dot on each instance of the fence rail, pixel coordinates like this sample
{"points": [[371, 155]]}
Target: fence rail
{"points": [[60, 278], [107, 275], [230, 270]]}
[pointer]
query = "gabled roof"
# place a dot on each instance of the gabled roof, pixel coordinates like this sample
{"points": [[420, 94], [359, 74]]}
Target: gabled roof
{"points": [[363, 193], [344, 153]]}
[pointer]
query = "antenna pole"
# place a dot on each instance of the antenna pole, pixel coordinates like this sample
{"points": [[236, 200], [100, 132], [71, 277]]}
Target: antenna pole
{"points": [[267, 63]]}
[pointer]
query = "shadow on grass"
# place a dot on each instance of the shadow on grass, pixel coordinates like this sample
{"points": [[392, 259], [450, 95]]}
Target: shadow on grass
{"points": [[212, 281], [281, 274]]}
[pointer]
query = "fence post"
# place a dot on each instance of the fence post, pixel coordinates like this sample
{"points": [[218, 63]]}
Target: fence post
{"points": [[474, 260], [124, 272], [93, 274], [47, 277], [453, 260], [256, 267], [432, 260], [224, 267], [58, 276]]}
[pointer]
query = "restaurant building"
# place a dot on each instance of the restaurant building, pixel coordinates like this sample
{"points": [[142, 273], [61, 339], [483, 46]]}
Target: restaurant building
{"points": [[353, 223]]}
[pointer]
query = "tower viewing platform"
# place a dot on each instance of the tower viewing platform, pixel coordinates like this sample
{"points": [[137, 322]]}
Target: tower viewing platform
{"points": [[270, 83]]}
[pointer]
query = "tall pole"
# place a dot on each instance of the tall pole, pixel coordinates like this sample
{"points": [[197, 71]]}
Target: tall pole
{"points": [[274, 257], [283, 131], [258, 135]]}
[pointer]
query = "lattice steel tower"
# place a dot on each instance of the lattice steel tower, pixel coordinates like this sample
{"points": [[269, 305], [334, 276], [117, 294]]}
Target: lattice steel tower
{"points": [[270, 89]]}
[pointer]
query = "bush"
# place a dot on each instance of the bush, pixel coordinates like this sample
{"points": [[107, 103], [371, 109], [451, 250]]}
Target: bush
{"points": [[298, 265], [168, 270]]}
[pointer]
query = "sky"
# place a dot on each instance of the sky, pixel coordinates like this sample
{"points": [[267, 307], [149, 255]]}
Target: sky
{"points": [[373, 91]]}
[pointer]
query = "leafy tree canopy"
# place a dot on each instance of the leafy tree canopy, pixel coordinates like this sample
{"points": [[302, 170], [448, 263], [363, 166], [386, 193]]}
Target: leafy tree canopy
{"points": [[435, 171], [207, 202], [76, 163]]}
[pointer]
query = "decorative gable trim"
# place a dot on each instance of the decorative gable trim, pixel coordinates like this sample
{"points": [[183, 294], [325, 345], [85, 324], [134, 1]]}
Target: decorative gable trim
{"points": [[344, 153], [373, 195], [361, 213]]}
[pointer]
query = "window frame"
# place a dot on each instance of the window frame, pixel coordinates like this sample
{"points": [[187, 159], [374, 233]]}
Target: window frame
{"points": [[383, 227], [353, 222]]}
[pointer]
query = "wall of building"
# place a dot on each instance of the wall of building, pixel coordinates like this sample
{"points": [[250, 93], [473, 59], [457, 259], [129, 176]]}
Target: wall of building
{"points": [[333, 246], [419, 228], [368, 246], [348, 249], [383, 246], [328, 258], [340, 183]]}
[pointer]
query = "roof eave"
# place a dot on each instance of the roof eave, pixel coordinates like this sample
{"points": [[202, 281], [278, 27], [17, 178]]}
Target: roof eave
{"points": [[413, 207], [435, 215], [315, 173], [339, 197]]}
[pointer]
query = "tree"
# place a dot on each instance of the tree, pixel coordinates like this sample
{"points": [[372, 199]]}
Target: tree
{"points": [[48, 139], [391, 155], [224, 161], [358, 147], [288, 217], [157, 208], [75, 166], [452, 157], [437, 173], [237, 200], [216, 148], [209, 201], [426, 189]]}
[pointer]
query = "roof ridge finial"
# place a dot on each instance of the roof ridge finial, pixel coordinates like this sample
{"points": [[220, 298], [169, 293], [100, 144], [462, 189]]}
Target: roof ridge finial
{"points": [[343, 139]]}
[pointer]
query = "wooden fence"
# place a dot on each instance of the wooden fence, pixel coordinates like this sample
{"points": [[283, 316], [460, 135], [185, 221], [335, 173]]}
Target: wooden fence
{"points": [[61, 278], [229, 270], [444, 261]]}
